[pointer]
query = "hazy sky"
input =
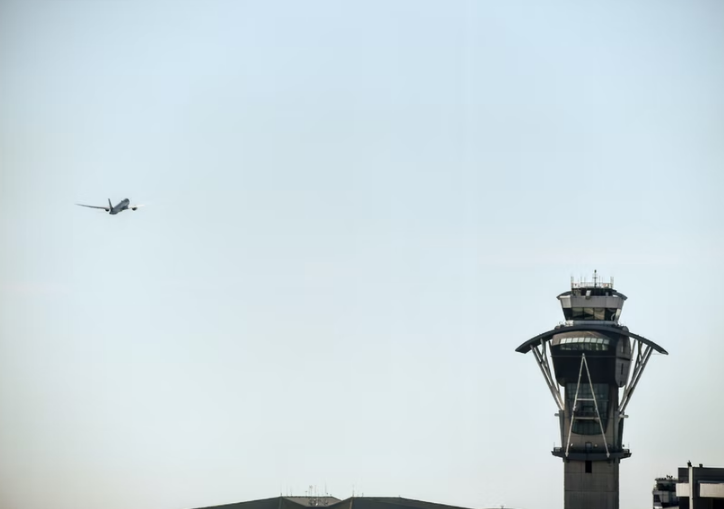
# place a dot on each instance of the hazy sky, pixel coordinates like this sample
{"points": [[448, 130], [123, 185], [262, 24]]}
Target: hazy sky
{"points": [[355, 213]]}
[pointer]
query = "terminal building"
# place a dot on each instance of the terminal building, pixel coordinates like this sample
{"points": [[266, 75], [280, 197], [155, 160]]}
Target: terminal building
{"points": [[700, 487], [329, 502], [591, 365]]}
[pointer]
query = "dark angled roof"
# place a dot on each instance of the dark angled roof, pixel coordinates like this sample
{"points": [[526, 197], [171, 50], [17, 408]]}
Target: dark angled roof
{"points": [[279, 503], [388, 503], [335, 503], [546, 336]]}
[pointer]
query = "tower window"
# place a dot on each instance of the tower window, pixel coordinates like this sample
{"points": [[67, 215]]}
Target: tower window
{"points": [[590, 313], [585, 422], [589, 466]]}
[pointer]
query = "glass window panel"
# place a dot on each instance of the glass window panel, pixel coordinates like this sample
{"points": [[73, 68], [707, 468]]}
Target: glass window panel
{"points": [[588, 313], [599, 313], [587, 408]]}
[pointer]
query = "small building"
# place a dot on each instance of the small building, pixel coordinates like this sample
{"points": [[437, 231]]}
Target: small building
{"points": [[664, 492], [700, 487]]}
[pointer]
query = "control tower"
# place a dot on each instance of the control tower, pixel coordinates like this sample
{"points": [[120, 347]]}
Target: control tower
{"points": [[598, 363]]}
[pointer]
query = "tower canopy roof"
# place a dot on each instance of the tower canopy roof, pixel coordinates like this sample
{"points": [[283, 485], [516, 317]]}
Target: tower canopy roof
{"points": [[548, 335]]}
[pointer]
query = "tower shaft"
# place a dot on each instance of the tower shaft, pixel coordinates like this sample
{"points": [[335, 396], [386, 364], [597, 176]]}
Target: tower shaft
{"points": [[590, 485]]}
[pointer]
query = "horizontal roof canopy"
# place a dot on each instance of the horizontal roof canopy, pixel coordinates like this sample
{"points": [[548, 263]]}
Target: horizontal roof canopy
{"points": [[547, 336]]}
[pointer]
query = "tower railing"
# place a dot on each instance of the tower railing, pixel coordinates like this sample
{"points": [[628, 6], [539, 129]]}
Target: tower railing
{"points": [[590, 284], [596, 283]]}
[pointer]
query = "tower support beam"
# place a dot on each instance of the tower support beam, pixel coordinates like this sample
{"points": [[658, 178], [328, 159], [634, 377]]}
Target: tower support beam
{"points": [[642, 358], [595, 405], [544, 365]]}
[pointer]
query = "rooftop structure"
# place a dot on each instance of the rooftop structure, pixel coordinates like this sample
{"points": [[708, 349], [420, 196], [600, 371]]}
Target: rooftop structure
{"points": [[700, 487], [664, 492]]}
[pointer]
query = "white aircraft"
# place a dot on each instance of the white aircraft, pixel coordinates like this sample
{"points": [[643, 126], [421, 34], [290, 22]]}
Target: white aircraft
{"points": [[111, 209]]}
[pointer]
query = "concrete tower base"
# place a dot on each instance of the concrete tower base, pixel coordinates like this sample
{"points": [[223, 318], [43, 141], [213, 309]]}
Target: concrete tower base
{"points": [[591, 484]]}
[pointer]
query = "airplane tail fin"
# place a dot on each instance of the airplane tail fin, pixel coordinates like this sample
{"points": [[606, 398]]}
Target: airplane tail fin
{"points": [[110, 205]]}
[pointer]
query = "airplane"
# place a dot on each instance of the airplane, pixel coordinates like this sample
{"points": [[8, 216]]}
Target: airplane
{"points": [[113, 210]]}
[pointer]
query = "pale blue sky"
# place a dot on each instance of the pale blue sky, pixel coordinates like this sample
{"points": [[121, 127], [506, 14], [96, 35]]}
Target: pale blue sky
{"points": [[355, 213]]}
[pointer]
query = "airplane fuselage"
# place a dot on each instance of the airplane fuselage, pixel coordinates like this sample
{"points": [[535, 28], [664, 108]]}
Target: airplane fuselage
{"points": [[122, 205]]}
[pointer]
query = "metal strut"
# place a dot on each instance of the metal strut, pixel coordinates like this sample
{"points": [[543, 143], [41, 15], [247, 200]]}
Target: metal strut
{"points": [[595, 405], [542, 360], [643, 354]]}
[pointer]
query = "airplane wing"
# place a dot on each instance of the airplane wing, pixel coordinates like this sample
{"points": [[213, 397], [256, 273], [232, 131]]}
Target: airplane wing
{"points": [[93, 207], [134, 207]]}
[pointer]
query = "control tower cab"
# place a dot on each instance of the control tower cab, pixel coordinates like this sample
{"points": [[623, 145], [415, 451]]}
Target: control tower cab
{"points": [[597, 364]]}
